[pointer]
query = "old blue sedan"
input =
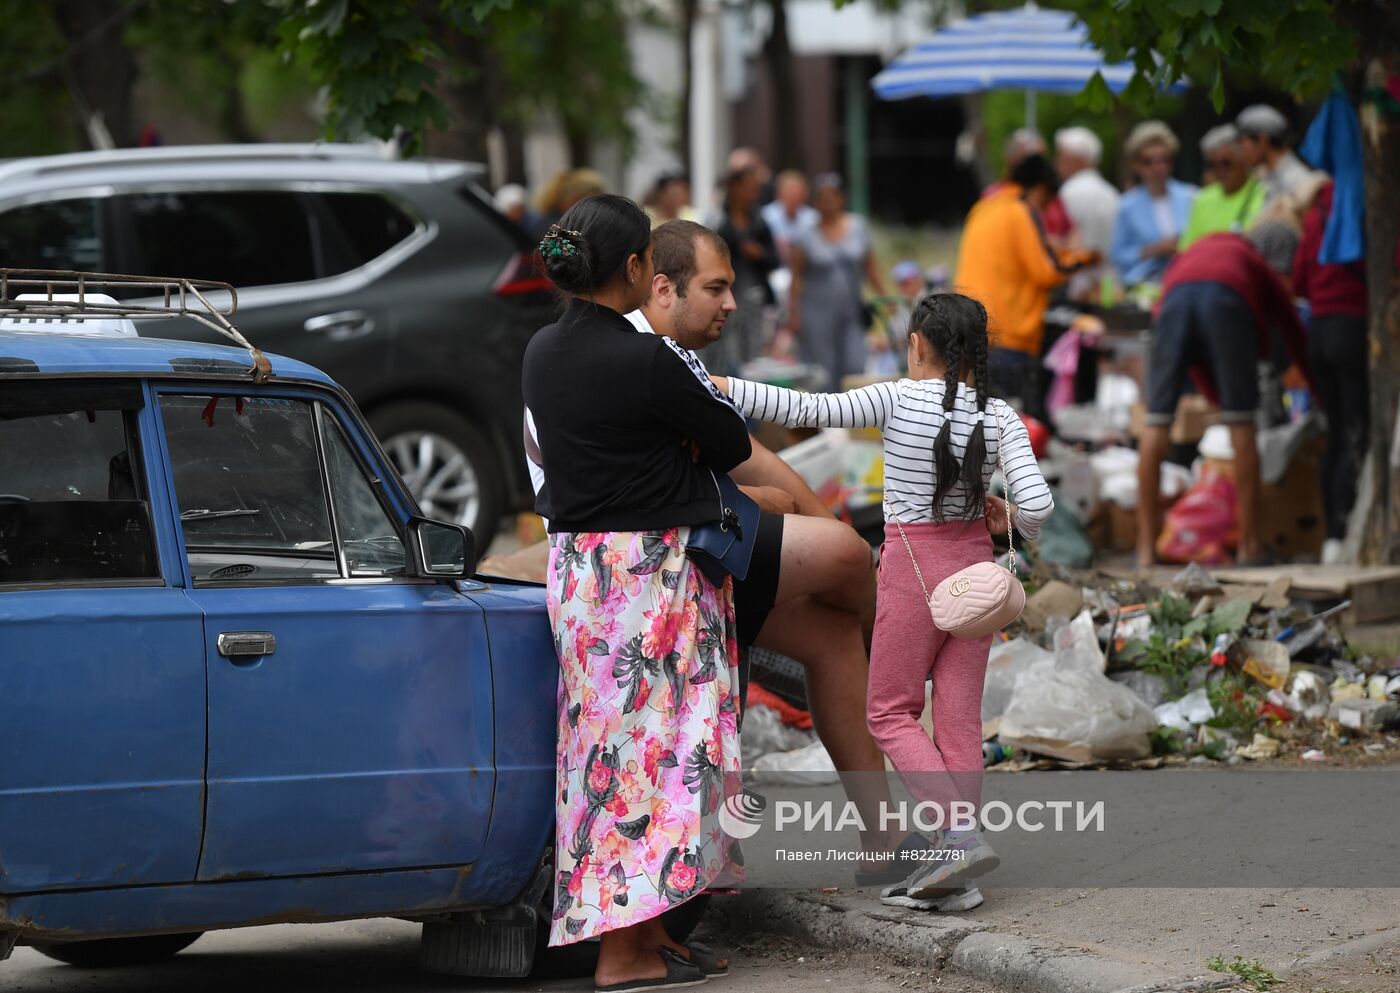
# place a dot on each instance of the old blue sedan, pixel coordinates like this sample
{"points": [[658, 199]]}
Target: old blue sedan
{"points": [[244, 682]]}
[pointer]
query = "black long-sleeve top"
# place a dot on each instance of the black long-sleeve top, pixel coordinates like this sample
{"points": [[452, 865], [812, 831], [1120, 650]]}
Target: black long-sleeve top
{"points": [[615, 412]]}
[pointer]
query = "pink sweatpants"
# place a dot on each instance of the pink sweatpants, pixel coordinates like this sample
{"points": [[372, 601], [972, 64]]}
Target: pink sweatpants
{"points": [[907, 649]]}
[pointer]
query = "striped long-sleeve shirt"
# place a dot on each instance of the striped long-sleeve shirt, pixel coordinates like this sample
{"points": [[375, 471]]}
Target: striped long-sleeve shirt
{"points": [[910, 414]]}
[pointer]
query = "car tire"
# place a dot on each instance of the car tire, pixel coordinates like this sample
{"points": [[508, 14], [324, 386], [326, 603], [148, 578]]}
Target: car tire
{"points": [[107, 953], [581, 958], [404, 427]]}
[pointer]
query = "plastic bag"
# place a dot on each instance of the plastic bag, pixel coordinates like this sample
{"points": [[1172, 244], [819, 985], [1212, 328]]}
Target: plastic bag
{"points": [[1202, 526], [1078, 715], [809, 766], [765, 733], [1008, 662], [1192, 709], [1063, 361]]}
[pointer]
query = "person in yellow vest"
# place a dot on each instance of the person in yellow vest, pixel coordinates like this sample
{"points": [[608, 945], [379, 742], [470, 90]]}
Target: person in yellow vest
{"points": [[1006, 262]]}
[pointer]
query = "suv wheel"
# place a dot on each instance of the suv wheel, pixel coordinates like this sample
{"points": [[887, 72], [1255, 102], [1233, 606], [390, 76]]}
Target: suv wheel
{"points": [[446, 462]]}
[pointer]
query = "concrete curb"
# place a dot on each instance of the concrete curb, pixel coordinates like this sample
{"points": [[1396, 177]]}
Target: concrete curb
{"points": [[844, 923]]}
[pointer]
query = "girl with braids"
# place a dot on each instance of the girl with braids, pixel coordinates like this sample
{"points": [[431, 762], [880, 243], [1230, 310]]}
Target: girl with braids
{"points": [[944, 436]]}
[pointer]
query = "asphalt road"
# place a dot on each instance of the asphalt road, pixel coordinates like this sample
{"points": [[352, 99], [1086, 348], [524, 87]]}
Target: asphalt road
{"points": [[381, 956]]}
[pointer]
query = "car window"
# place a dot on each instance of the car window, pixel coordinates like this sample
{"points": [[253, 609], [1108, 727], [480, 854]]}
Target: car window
{"points": [[243, 237], [372, 543], [73, 502], [249, 488], [61, 234], [368, 226]]}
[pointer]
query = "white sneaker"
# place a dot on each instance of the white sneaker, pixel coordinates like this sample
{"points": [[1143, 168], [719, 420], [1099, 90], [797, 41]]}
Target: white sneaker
{"points": [[1331, 551], [964, 897], [975, 858]]}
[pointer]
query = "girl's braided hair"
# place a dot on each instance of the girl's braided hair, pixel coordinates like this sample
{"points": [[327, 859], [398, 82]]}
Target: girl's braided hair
{"points": [[956, 327]]}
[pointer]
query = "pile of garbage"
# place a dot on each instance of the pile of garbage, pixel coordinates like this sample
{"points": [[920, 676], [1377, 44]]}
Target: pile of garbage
{"points": [[1111, 672], [1119, 672]]}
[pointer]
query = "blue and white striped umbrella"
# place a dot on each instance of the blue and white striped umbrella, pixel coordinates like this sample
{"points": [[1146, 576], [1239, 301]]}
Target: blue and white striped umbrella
{"points": [[1025, 49]]}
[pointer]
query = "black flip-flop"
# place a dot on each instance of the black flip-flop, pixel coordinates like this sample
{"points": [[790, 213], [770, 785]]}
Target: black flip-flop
{"points": [[680, 973], [897, 870], [704, 958]]}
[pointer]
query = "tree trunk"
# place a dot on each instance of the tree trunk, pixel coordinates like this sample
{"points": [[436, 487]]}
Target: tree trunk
{"points": [[1377, 28], [580, 140], [689, 9], [462, 89], [777, 51], [103, 72], [1381, 543]]}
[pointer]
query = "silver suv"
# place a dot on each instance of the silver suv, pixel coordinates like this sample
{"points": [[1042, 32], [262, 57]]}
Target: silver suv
{"points": [[398, 278]]}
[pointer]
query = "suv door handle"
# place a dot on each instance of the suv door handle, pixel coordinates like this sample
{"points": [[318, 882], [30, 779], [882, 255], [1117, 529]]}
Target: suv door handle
{"points": [[247, 644], [343, 325]]}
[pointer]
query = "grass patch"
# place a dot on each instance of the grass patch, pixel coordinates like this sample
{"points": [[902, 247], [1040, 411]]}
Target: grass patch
{"points": [[1252, 971]]}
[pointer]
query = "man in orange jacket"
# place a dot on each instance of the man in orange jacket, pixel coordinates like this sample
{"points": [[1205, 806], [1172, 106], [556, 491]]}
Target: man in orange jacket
{"points": [[1006, 262]]}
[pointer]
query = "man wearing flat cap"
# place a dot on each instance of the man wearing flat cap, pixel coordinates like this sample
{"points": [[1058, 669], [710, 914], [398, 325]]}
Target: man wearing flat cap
{"points": [[1264, 138]]}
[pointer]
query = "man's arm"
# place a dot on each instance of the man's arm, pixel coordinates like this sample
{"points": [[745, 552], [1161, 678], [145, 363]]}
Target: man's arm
{"points": [[765, 468]]}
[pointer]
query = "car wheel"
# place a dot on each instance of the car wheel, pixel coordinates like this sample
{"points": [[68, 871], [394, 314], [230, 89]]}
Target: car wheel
{"points": [[105, 953], [447, 464]]}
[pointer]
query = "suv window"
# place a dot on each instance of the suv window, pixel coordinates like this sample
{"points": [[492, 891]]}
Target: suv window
{"points": [[61, 234], [369, 225], [243, 237], [72, 495]]}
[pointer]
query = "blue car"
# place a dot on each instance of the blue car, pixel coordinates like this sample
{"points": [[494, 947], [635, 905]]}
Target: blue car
{"points": [[244, 683]]}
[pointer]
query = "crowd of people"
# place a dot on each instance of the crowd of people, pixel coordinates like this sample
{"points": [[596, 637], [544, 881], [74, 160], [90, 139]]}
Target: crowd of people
{"points": [[1225, 263], [804, 264]]}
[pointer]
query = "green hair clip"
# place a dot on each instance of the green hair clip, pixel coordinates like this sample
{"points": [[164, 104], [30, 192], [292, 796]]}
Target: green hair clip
{"points": [[559, 241]]}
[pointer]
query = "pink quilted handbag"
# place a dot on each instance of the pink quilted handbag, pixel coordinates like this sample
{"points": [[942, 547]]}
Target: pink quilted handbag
{"points": [[974, 602]]}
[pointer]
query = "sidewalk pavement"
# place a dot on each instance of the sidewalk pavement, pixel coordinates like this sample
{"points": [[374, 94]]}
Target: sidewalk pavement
{"points": [[1107, 941]]}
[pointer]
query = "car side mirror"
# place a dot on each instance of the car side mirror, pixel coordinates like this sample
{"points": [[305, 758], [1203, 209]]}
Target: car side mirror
{"points": [[443, 550]]}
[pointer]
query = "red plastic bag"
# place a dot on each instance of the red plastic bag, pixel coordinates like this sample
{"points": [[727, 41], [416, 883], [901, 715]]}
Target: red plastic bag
{"points": [[1203, 525]]}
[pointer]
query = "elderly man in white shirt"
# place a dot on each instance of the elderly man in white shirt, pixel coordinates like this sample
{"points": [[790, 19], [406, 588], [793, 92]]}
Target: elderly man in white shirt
{"points": [[1090, 200], [1264, 137]]}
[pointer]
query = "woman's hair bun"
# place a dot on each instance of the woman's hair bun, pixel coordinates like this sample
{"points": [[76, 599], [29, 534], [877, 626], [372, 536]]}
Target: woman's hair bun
{"points": [[592, 242], [566, 259]]}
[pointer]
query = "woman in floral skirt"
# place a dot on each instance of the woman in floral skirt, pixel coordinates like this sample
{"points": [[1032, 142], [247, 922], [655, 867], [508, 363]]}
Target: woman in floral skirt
{"points": [[648, 698]]}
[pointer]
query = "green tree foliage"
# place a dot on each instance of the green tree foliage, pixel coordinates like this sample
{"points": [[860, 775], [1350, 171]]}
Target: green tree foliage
{"points": [[379, 61], [1295, 44]]}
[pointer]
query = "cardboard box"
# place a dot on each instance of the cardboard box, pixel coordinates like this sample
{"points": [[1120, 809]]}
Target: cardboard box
{"points": [[1291, 520], [1193, 415]]}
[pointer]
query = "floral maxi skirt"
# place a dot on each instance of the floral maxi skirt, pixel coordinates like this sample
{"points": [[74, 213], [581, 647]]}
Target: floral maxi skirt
{"points": [[648, 728]]}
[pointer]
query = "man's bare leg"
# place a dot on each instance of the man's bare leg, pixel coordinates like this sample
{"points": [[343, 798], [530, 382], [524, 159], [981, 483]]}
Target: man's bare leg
{"points": [[1242, 438], [826, 559], [1152, 449], [829, 645]]}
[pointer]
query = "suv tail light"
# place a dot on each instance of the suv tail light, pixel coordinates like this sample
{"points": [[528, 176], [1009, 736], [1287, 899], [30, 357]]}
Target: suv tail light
{"points": [[522, 274]]}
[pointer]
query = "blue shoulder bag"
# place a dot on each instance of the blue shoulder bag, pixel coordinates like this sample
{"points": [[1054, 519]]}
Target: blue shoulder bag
{"points": [[725, 547]]}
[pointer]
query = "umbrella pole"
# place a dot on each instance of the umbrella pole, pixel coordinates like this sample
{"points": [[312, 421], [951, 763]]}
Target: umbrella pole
{"points": [[1030, 109]]}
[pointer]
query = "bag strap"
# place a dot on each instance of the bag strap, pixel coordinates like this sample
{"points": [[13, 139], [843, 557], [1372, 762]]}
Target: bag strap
{"points": [[1011, 542]]}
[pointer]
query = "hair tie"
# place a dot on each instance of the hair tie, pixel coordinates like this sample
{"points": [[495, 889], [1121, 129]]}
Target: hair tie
{"points": [[560, 241]]}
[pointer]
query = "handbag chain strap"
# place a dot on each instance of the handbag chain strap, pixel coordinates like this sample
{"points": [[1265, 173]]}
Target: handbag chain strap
{"points": [[1010, 541]]}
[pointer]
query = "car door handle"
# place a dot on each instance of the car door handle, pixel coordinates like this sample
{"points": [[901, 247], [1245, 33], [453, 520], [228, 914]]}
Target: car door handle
{"points": [[247, 644], [343, 325]]}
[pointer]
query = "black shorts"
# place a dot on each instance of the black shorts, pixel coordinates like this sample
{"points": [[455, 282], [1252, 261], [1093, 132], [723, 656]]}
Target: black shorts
{"points": [[1203, 323], [755, 595]]}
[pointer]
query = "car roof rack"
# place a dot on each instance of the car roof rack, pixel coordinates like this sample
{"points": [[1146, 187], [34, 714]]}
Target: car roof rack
{"points": [[64, 294]]}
